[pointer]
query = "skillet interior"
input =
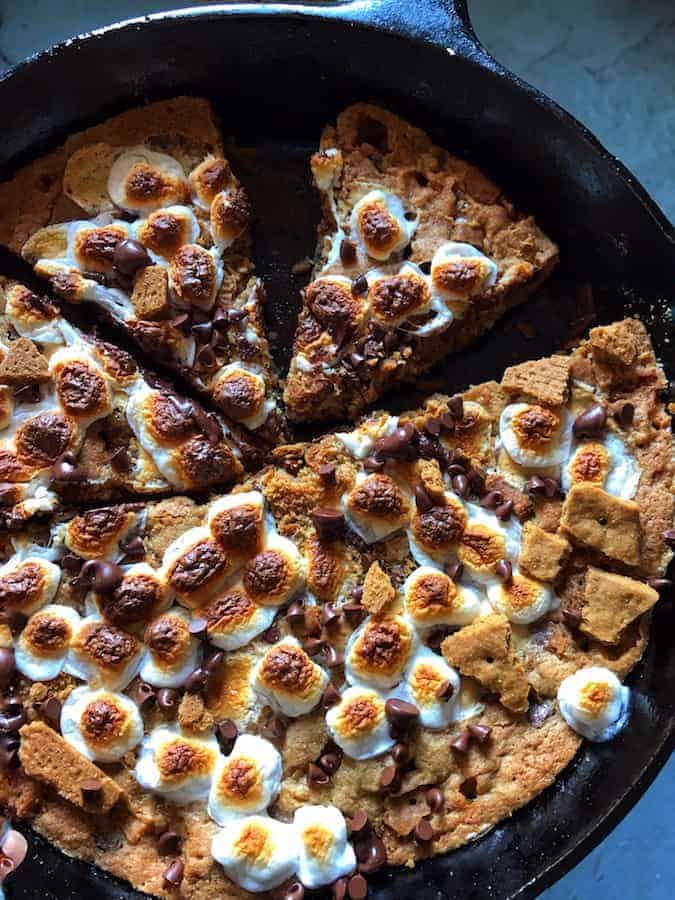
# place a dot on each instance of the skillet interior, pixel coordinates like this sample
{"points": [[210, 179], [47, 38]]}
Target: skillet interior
{"points": [[275, 80]]}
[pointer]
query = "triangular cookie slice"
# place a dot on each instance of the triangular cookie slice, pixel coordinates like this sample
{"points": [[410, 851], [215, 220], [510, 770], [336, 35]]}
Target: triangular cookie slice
{"points": [[81, 421], [419, 253], [144, 217]]}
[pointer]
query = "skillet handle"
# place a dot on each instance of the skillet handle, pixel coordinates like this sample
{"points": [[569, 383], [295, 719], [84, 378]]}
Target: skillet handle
{"points": [[443, 22]]}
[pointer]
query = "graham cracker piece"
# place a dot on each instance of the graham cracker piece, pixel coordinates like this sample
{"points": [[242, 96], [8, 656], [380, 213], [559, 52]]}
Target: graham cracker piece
{"points": [[150, 296], [611, 602], [23, 364], [378, 591], [605, 523], [45, 755], [429, 474], [542, 554], [482, 651], [545, 380], [618, 341], [193, 716]]}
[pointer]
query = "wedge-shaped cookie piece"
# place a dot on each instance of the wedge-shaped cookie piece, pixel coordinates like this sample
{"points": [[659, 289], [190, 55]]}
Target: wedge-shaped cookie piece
{"points": [[143, 217], [483, 651], [419, 254], [542, 555], [596, 519], [612, 602], [80, 420]]}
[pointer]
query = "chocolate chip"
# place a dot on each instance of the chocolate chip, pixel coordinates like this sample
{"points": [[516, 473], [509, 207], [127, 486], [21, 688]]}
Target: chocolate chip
{"points": [[129, 256], [625, 415], [326, 471], [422, 499], [359, 822], [372, 464], [354, 613], [17, 621], [120, 460], [448, 422], [504, 570], [476, 480], [173, 875], [571, 618], [360, 285], [461, 742], [226, 732], [389, 778], [13, 719], [460, 485], [660, 584], [401, 713], [91, 790], [333, 657], [398, 445], [400, 753], [330, 617], [295, 614], [454, 569], [357, 888], [146, 696], [370, 852], [456, 407], [101, 575], [167, 699], [316, 777], [134, 550], [445, 691], [435, 799], [331, 696], [339, 889], [504, 510], [27, 393], [202, 332], [214, 664], [271, 635], [169, 843], [50, 710], [492, 500], [552, 488], [329, 523], [347, 252], [479, 732], [433, 426], [183, 323], [538, 711], [330, 762], [423, 832], [669, 537], [292, 891], [198, 628], [65, 468], [591, 422], [196, 681], [313, 646], [390, 341], [7, 665]]}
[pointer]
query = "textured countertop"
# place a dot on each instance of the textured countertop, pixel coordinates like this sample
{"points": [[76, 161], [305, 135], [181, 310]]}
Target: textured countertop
{"points": [[612, 64]]}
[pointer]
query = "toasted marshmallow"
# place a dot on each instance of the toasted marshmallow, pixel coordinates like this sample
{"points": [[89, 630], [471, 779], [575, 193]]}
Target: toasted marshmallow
{"points": [[239, 391], [594, 703], [325, 852], [361, 441], [460, 272], [195, 277], [171, 651], [358, 724], [96, 533], [246, 781], [141, 180], [103, 655], [41, 649], [376, 507], [91, 248], [485, 542], [208, 179], [236, 522], [432, 598], [379, 222], [235, 619], [609, 465], [6, 406], [288, 678], [433, 687], [32, 316], [102, 725], [234, 696], [435, 532], [535, 436], [336, 307], [165, 231], [378, 651], [522, 600], [177, 767], [257, 853], [43, 438], [275, 574], [395, 297], [195, 566], [157, 431], [141, 595], [325, 568], [28, 584], [229, 216], [82, 389]]}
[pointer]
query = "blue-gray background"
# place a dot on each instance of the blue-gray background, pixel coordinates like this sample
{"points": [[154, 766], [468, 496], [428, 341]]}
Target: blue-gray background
{"points": [[612, 64]]}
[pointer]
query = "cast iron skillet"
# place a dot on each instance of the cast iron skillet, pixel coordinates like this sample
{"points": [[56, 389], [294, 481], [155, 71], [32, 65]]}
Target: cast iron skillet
{"points": [[276, 74]]}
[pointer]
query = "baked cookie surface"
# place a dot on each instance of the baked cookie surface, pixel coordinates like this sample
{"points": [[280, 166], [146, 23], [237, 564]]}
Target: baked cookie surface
{"points": [[370, 651], [418, 255]]}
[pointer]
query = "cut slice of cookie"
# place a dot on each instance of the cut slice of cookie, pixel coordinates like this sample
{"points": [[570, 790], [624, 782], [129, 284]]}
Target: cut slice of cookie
{"points": [[143, 217], [419, 254], [81, 421]]}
